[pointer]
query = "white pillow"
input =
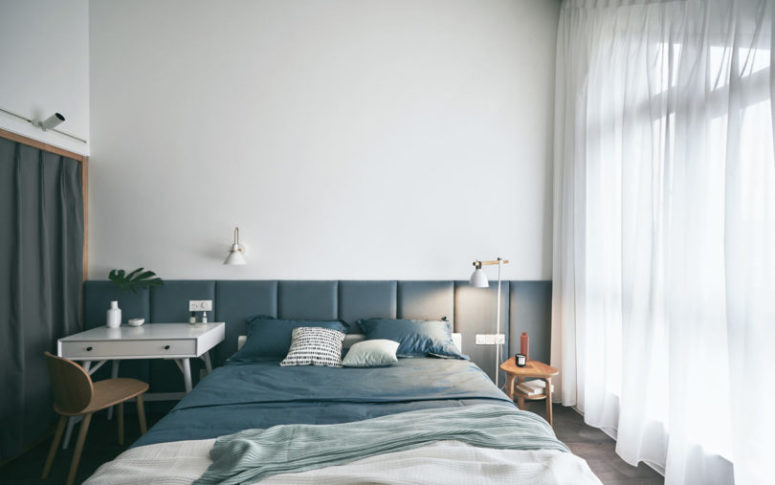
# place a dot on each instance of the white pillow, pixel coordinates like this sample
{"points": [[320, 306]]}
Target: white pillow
{"points": [[315, 346], [371, 353]]}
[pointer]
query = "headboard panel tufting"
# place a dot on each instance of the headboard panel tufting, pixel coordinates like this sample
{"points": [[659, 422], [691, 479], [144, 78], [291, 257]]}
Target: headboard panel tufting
{"points": [[304, 300], [367, 299], [526, 306]]}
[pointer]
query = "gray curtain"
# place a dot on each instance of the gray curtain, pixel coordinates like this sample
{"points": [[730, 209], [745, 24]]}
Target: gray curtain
{"points": [[41, 238]]}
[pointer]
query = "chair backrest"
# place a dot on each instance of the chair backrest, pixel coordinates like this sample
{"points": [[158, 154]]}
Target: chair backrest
{"points": [[72, 385]]}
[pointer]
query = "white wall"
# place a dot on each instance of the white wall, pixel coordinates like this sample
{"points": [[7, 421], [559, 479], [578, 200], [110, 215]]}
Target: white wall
{"points": [[372, 139], [44, 68]]}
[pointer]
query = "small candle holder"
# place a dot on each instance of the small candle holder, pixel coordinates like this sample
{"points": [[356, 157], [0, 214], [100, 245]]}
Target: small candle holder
{"points": [[520, 360]]}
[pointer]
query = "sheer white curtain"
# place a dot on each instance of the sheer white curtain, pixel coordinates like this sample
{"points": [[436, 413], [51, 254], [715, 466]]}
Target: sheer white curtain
{"points": [[664, 255]]}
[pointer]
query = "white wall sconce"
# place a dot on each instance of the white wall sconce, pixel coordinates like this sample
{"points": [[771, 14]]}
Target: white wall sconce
{"points": [[479, 280], [237, 252]]}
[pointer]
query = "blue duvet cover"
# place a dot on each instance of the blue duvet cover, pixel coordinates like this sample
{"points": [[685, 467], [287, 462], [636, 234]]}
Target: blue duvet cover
{"points": [[259, 395]]}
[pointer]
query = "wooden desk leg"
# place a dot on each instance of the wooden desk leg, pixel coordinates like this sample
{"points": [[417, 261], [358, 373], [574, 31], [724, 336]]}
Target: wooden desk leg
{"points": [[520, 400], [510, 386], [549, 400]]}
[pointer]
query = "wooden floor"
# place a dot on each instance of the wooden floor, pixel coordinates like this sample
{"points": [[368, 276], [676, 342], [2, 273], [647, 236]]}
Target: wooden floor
{"points": [[596, 447], [591, 444]]}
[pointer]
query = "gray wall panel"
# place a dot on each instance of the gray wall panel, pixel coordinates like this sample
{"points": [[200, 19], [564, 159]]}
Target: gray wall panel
{"points": [[475, 314], [307, 300], [426, 300], [531, 312], [169, 304], [367, 299], [237, 301]]}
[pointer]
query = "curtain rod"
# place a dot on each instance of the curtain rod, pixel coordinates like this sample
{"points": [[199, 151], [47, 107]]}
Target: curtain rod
{"points": [[50, 129]]}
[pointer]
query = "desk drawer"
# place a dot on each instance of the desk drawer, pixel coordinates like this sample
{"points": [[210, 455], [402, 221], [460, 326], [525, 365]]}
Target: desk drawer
{"points": [[129, 348]]}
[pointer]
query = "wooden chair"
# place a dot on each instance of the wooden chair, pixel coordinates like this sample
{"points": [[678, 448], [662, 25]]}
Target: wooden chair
{"points": [[76, 395]]}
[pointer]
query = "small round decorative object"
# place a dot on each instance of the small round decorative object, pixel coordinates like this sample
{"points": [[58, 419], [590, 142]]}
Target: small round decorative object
{"points": [[135, 322], [520, 360]]}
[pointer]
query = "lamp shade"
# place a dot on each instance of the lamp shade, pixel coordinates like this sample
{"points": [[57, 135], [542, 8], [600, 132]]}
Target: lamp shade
{"points": [[237, 252], [479, 279], [235, 256]]}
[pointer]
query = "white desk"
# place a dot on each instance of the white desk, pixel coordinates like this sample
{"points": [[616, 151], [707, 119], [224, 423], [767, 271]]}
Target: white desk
{"points": [[171, 341]]}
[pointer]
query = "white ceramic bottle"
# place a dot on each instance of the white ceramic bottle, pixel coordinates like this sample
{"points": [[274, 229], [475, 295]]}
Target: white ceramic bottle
{"points": [[114, 315]]}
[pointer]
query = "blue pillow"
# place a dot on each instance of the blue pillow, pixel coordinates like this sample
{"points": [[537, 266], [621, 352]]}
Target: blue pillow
{"points": [[416, 338], [270, 338]]}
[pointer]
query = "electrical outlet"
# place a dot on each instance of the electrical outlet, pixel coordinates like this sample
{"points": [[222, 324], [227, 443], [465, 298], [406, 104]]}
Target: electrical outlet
{"points": [[200, 305], [490, 338]]}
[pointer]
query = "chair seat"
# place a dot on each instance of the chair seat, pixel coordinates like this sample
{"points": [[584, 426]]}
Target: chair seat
{"points": [[110, 392]]}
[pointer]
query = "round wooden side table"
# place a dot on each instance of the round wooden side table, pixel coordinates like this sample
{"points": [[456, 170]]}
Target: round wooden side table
{"points": [[533, 369]]}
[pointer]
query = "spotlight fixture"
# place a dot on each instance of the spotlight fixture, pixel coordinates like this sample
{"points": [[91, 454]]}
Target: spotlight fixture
{"points": [[51, 122]]}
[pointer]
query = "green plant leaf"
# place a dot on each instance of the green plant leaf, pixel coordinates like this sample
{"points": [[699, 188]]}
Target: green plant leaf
{"points": [[143, 276], [130, 275], [137, 279]]}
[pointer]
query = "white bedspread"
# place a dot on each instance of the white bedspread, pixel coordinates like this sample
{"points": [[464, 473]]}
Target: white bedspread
{"points": [[447, 462]]}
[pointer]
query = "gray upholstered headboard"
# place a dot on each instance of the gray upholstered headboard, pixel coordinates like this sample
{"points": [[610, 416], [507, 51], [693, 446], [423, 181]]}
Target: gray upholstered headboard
{"points": [[526, 307]]}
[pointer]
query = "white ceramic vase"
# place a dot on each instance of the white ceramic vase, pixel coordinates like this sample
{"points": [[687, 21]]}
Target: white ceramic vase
{"points": [[114, 315]]}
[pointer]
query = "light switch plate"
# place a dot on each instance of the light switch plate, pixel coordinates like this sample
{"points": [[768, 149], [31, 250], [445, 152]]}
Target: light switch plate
{"points": [[200, 305], [500, 338], [489, 339], [479, 339]]}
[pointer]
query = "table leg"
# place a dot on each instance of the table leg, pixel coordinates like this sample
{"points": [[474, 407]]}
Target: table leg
{"points": [[120, 410], [70, 425], [208, 365], [113, 375], [141, 414], [510, 386], [520, 400], [549, 400], [185, 366]]}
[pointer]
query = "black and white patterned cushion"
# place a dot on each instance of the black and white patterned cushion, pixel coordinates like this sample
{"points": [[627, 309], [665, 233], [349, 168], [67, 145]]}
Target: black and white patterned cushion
{"points": [[315, 346]]}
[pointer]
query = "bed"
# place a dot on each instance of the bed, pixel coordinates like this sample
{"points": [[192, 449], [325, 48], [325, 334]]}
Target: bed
{"points": [[262, 395]]}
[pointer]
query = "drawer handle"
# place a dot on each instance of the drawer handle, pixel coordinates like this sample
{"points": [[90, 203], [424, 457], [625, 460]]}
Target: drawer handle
{"points": [[89, 348], [166, 347]]}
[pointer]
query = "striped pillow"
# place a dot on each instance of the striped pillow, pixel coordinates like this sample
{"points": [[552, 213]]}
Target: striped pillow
{"points": [[315, 346]]}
